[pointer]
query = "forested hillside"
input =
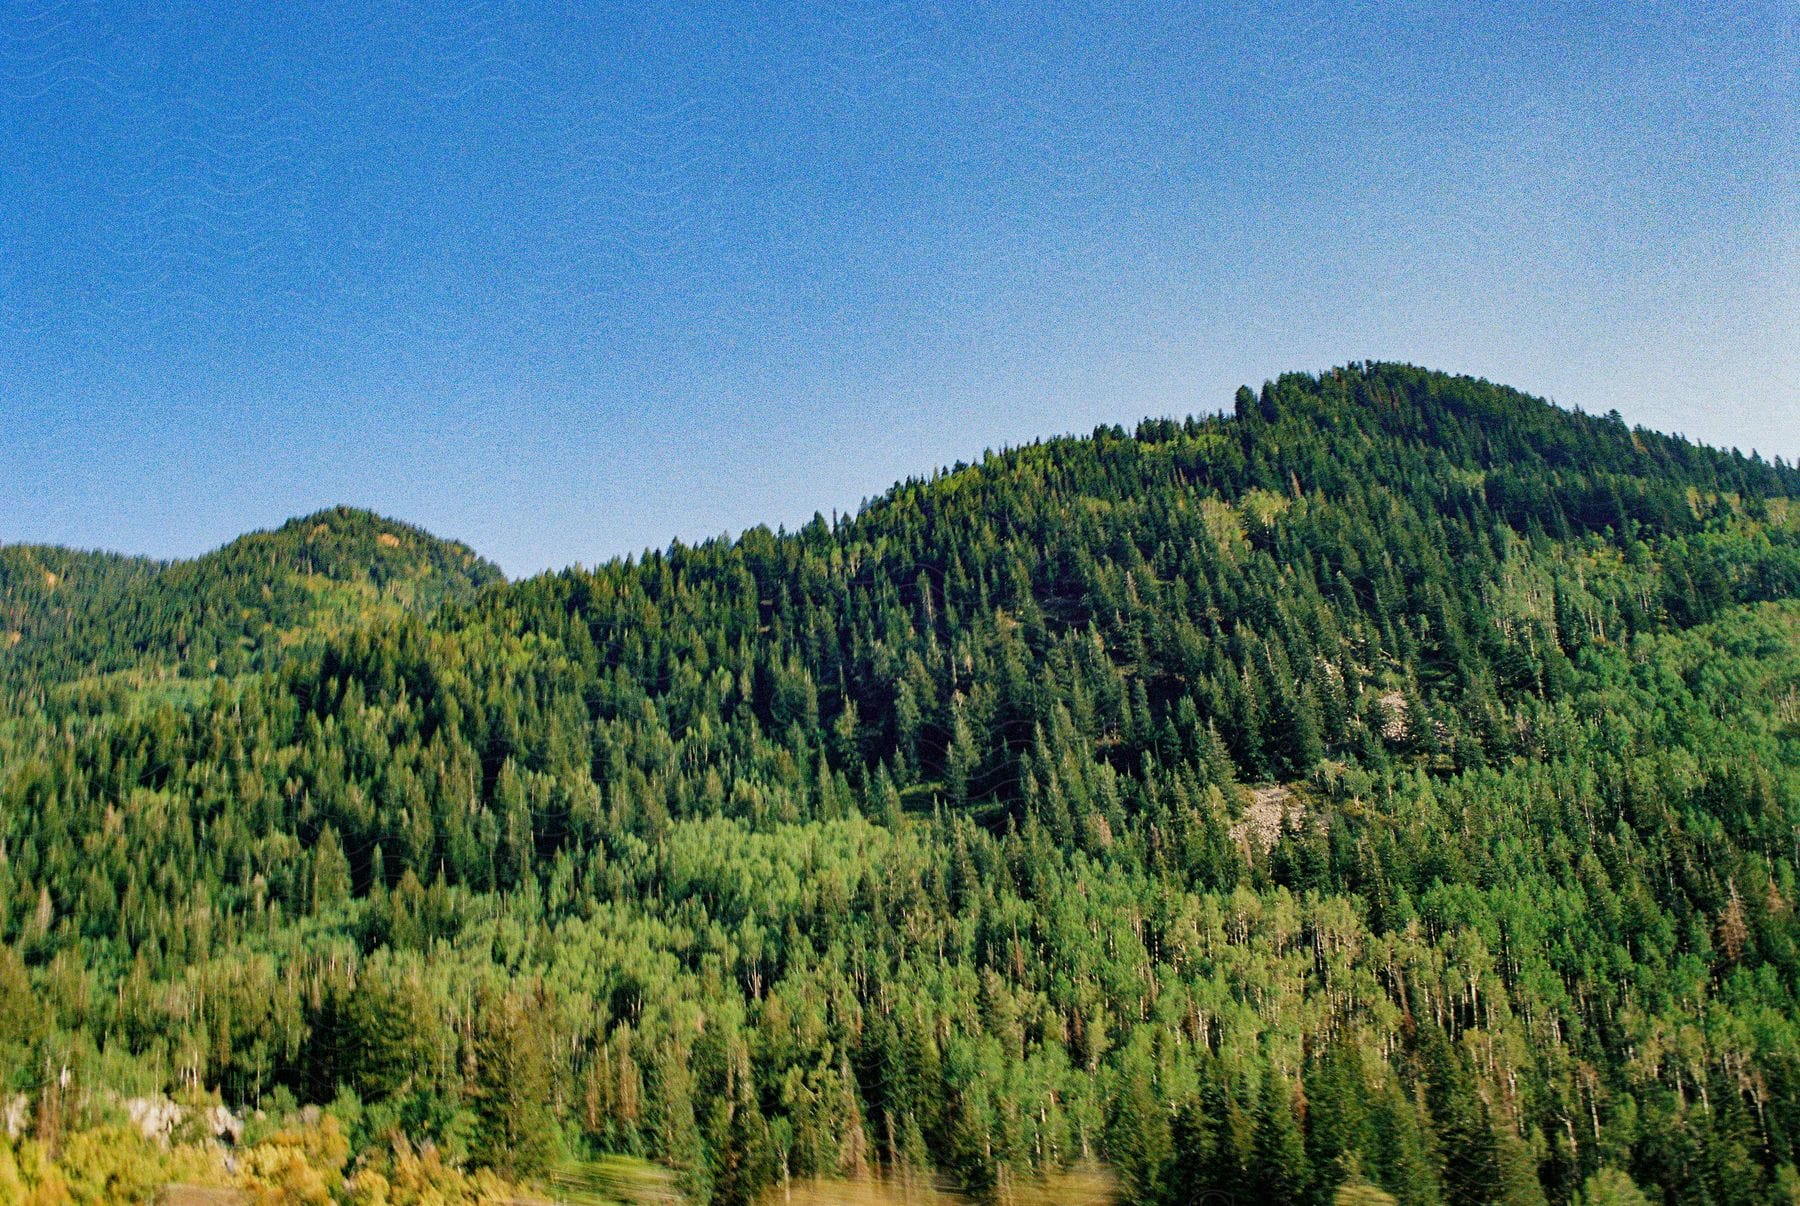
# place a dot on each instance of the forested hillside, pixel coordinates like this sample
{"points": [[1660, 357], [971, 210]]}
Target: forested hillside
{"points": [[66, 614], [1391, 786]]}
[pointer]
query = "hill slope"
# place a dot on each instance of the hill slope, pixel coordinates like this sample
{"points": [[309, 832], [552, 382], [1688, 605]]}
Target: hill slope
{"points": [[1394, 781], [67, 613]]}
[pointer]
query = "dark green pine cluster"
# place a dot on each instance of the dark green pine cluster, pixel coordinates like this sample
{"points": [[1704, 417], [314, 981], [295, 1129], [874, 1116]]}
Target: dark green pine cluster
{"points": [[1393, 785]]}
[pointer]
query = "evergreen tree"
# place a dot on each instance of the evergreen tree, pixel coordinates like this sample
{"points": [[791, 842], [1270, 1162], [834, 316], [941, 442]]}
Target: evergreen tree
{"points": [[515, 1132]]}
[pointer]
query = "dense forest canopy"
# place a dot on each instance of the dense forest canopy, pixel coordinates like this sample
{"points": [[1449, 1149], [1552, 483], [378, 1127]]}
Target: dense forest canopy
{"points": [[1389, 787]]}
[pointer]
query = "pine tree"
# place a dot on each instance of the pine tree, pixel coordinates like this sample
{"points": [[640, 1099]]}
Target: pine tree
{"points": [[515, 1133], [1140, 1141], [1281, 1171]]}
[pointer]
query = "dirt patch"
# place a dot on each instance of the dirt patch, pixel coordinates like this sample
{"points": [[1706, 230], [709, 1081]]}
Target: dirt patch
{"points": [[1270, 812], [388, 540], [1398, 722]]}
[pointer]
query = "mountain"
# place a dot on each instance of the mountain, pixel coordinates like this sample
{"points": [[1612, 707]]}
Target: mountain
{"points": [[1388, 787], [66, 613]]}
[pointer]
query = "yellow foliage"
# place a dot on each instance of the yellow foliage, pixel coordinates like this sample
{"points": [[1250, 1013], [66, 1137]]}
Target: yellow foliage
{"points": [[28, 1177], [300, 1165], [110, 1164], [101, 1166], [410, 1177]]}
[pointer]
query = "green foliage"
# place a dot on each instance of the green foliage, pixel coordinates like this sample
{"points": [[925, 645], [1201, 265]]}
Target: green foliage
{"points": [[515, 1133], [1389, 791], [1610, 1187]]}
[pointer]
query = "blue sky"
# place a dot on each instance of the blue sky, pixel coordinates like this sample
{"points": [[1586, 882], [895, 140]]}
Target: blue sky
{"points": [[566, 282]]}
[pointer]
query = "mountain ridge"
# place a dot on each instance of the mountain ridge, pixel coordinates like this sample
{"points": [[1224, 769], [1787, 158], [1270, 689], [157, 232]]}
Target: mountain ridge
{"points": [[1505, 405]]}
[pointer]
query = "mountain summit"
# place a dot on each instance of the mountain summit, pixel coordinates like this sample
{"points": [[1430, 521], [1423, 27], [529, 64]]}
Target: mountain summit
{"points": [[70, 612]]}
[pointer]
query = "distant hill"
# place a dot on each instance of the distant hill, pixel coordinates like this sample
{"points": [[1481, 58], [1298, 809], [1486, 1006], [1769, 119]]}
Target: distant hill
{"points": [[1385, 790], [66, 613]]}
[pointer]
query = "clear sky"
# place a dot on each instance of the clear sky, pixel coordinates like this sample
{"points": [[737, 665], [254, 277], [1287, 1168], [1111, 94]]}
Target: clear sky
{"points": [[566, 282]]}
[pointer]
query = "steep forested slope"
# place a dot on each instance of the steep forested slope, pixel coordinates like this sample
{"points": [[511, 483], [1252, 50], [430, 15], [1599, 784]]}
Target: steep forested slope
{"points": [[1395, 783]]}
